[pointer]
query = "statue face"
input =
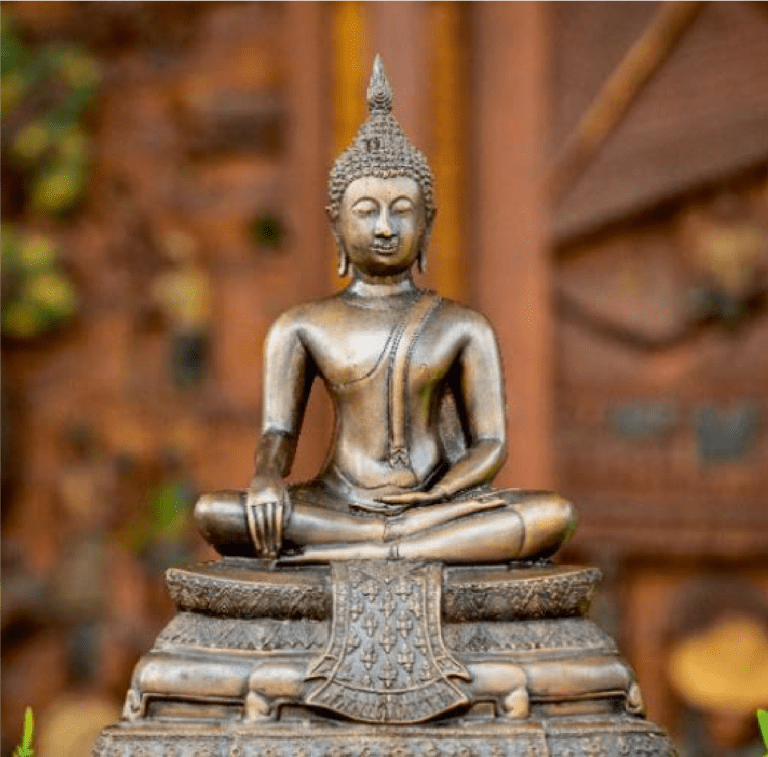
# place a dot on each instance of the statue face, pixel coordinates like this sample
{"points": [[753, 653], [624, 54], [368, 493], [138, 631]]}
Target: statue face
{"points": [[381, 224]]}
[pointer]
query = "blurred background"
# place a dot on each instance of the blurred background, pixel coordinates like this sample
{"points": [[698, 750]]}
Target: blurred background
{"points": [[602, 183]]}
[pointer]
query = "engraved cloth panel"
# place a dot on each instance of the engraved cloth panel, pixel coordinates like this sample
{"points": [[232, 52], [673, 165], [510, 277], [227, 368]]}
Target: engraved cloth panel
{"points": [[386, 661]]}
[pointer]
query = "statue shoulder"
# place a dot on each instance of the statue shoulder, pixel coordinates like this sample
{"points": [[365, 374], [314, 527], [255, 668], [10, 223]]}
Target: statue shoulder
{"points": [[297, 320], [456, 315]]}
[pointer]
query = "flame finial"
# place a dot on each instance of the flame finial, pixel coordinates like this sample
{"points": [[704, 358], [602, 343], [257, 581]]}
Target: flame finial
{"points": [[379, 91]]}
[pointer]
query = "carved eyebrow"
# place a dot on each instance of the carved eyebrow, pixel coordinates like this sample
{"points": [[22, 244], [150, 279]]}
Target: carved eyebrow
{"points": [[403, 198]]}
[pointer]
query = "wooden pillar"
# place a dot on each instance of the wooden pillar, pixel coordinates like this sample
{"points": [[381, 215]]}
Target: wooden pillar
{"points": [[447, 148], [308, 147], [511, 268], [349, 83], [308, 140], [349, 75]]}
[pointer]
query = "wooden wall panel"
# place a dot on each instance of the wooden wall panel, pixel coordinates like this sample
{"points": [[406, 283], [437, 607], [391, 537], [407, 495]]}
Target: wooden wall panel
{"points": [[702, 116]]}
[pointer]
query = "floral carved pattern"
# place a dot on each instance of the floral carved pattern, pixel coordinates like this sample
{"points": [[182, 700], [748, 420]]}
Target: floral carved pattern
{"points": [[264, 635], [482, 595], [528, 635]]}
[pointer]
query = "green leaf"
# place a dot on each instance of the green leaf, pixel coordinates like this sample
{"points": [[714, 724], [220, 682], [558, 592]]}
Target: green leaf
{"points": [[25, 748], [762, 721], [29, 728]]}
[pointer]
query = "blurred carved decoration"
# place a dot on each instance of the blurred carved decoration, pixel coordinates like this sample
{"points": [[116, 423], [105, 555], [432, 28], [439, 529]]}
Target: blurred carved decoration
{"points": [[717, 663], [182, 293], [661, 282], [659, 185], [668, 89], [724, 667]]}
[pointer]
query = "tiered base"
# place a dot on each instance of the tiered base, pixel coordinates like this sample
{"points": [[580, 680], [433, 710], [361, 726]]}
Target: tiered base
{"points": [[389, 659], [619, 736]]}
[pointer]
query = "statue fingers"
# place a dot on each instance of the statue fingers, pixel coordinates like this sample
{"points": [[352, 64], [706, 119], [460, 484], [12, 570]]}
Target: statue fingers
{"points": [[266, 528], [279, 525], [275, 509], [261, 527], [254, 529], [273, 540]]}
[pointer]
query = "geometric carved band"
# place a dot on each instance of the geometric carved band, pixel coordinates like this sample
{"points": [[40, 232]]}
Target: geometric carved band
{"points": [[519, 639], [249, 588], [594, 737]]}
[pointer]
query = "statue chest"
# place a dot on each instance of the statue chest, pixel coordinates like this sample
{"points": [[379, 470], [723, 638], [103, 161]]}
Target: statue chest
{"points": [[351, 357]]}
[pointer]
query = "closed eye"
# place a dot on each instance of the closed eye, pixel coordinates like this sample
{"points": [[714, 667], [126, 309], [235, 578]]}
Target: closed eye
{"points": [[402, 206], [365, 207]]}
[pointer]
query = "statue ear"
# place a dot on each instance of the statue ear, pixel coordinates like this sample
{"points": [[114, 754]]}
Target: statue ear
{"points": [[421, 260], [343, 267]]}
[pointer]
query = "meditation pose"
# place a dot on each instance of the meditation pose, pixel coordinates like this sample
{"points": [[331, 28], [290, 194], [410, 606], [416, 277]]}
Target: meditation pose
{"points": [[417, 388], [404, 626]]}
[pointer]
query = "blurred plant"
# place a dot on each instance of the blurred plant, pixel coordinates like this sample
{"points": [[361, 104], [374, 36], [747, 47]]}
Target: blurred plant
{"points": [[161, 536], [25, 748], [37, 295], [45, 96], [168, 516]]}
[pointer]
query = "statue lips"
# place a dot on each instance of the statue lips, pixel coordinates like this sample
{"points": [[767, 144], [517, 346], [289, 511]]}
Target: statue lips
{"points": [[386, 247]]}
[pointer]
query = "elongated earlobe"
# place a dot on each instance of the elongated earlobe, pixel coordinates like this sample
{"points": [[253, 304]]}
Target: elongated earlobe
{"points": [[343, 268], [421, 260]]}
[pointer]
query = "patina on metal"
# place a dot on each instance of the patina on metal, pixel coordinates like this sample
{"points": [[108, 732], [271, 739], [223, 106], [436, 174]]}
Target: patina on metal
{"points": [[396, 603]]}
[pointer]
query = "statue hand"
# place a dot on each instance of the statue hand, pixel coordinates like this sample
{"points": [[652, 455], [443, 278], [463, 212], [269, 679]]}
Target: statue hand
{"points": [[411, 499], [267, 509]]}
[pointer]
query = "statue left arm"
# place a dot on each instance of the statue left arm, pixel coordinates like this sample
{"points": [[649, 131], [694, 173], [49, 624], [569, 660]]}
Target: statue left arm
{"points": [[480, 401]]}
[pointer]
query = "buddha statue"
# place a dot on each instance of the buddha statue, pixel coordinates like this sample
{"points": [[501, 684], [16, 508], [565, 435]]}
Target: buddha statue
{"points": [[395, 604], [417, 388]]}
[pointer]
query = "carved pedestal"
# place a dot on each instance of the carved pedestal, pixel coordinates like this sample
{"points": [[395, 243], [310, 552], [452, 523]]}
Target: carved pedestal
{"points": [[378, 659]]}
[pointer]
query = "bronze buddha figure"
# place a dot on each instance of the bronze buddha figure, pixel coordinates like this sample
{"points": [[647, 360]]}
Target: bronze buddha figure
{"points": [[397, 588], [417, 388]]}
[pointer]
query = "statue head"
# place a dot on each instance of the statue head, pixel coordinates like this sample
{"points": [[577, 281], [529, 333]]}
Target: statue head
{"points": [[381, 150]]}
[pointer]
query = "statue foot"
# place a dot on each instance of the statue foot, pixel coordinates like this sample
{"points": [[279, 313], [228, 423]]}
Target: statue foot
{"points": [[635, 704], [503, 682], [132, 709], [516, 705], [338, 552], [418, 519], [257, 708]]}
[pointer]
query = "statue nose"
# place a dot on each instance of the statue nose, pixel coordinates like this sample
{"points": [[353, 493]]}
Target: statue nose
{"points": [[383, 226]]}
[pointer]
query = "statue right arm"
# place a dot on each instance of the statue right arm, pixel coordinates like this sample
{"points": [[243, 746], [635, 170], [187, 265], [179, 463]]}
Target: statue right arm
{"points": [[288, 375]]}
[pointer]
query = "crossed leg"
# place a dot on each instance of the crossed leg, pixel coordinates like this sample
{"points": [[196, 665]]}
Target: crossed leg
{"points": [[504, 525]]}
